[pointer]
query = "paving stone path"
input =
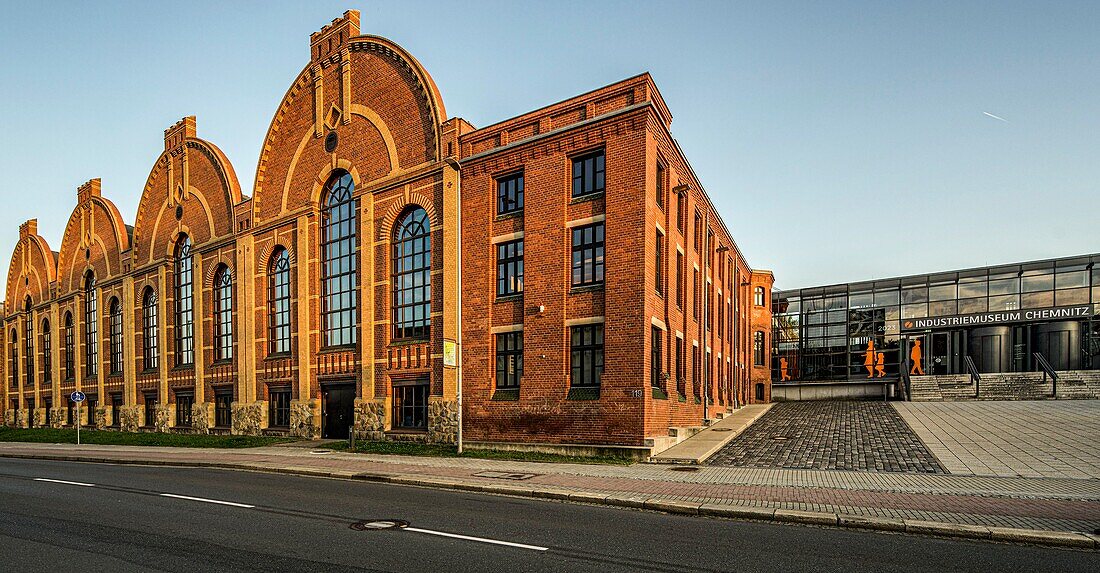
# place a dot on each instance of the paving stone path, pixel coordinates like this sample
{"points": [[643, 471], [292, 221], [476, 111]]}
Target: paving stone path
{"points": [[1035, 503], [857, 436]]}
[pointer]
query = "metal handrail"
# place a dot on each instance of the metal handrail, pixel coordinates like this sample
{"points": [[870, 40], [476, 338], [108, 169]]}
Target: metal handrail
{"points": [[1048, 370], [975, 377]]}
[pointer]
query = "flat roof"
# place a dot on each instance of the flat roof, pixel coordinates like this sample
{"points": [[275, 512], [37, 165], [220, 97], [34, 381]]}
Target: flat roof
{"points": [[838, 288]]}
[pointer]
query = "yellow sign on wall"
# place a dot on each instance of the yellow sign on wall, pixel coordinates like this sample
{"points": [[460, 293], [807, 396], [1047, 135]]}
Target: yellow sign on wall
{"points": [[450, 353]]}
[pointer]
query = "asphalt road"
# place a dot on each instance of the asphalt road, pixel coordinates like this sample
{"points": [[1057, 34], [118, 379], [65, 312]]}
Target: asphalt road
{"points": [[124, 521]]}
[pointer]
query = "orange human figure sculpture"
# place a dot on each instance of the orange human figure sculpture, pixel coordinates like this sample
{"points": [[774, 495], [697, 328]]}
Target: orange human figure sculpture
{"points": [[783, 374], [915, 356], [880, 364], [869, 359]]}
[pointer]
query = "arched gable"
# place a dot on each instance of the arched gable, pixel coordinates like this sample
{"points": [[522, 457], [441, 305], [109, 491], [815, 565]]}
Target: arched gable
{"points": [[95, 238], [33, 267], [192, 188], [381, 105]]}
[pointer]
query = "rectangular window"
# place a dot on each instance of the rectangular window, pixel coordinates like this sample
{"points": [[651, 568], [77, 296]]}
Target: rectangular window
{"points": [[655, 361], [184, 402], [695, 294], [720, 307], [680, 380], [150, 409], [588, 174], [659, 263], [660, 185], [410, 406], [758, 348], [510, 268], [279, 408], [510, 194], [681, 211], [116, 409], [586, 356], [509, 356], [588, 263], [698, 230], [679, 279], [696, 381], [223, 409], [707, 306]]}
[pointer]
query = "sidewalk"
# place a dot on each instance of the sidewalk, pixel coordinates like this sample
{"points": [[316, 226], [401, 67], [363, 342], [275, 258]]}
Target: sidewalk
{"points": [[968, 506]]}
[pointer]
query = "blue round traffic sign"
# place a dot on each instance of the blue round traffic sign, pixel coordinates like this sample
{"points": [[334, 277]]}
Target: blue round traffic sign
{"points": [[77, 396]]}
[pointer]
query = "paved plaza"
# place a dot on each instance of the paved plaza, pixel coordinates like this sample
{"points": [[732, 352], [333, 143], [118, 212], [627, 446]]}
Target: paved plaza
{"points": [[826, 435], [1028, 439]]}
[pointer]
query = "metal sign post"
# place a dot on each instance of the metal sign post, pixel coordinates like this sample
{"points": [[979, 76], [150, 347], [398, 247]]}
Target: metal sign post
{"points": [[77, 397]]}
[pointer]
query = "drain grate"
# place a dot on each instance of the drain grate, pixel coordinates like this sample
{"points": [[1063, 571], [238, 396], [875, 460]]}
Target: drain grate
{"points": [[780, 438], [379, 524], [684, 468], [505, 475], [721, 429]]}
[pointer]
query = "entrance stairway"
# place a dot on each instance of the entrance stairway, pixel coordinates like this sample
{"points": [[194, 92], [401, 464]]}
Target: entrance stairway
{"points": [[1072, 385]]}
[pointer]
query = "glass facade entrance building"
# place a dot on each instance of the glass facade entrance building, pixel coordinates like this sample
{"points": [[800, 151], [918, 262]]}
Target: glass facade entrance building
{"points": [[999, 317]]}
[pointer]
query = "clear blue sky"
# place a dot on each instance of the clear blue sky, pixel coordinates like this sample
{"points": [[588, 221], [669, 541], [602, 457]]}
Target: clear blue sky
{"points": [[840, 140]]}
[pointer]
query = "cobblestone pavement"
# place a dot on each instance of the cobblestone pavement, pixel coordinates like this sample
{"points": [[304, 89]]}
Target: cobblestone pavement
{"points": [[1030, 439], [1033, 503], [828, 435]]}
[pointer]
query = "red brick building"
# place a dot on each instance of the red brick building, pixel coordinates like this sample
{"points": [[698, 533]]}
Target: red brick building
{"points": [[388, 257]]}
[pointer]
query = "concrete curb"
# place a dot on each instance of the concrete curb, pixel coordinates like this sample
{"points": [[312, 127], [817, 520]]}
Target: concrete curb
{"points": [[1061, 539]]}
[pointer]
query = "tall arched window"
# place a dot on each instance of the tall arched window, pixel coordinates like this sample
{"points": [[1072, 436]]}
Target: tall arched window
{"points": [[412, 275], [13, 360], [70, 347], [223, 313], [338, 263], [28, 342], [115, 334], [47, 360], [91, 326], [185, 327], [278, 290], [150, 352]]}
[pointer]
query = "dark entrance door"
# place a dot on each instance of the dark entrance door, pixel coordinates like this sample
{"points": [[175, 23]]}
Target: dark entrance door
{"points": [[337, 410], [940, 355], [1059, 343]]}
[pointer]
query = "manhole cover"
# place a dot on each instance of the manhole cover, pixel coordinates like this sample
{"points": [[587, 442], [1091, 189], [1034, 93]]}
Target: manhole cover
{"points": [[684, 469], [505, 475], [379, 524], [320, 452], [721, 429]]}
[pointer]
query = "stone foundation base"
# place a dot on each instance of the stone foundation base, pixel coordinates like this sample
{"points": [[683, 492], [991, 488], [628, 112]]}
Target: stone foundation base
{"points": [[130, 418], [370, 419], [248, 419], [305, 418], [38, 418], [163, 419], [101, 421], [200, 418], [57, 417], [442, 420]]}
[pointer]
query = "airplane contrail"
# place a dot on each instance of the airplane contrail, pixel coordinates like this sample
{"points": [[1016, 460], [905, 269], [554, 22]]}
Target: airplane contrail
{"points": [[998, 118]]}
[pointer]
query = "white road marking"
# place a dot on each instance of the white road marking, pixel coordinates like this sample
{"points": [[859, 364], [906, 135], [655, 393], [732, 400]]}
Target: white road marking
{"points": [[480, 539], [203, 499], [66, 482]]}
